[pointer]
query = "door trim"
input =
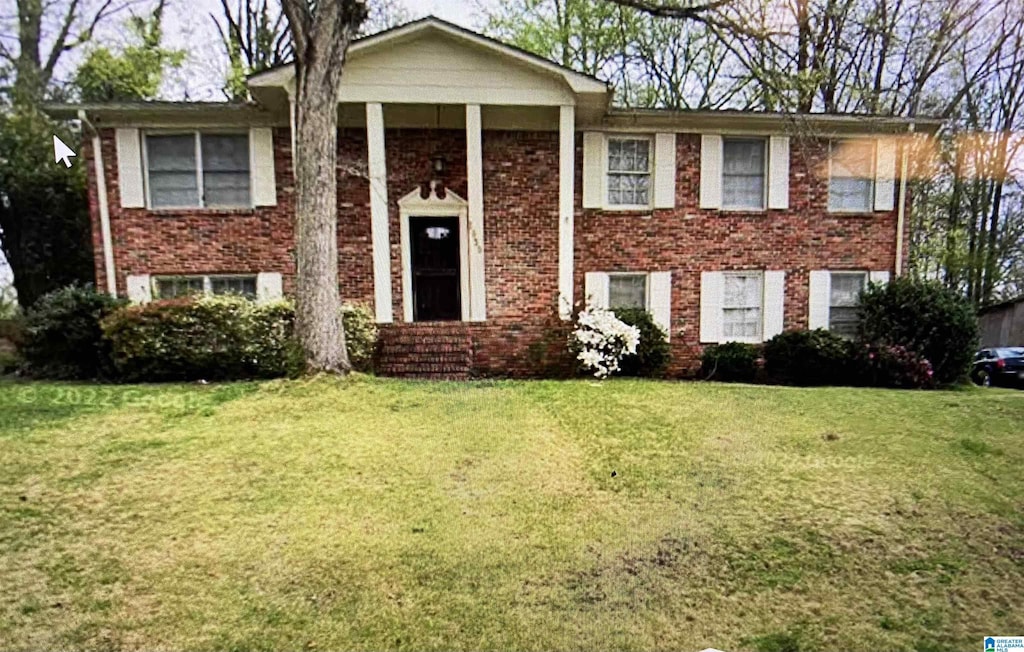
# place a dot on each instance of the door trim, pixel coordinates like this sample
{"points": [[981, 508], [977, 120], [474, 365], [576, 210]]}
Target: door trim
{"points": [[413, 205]]}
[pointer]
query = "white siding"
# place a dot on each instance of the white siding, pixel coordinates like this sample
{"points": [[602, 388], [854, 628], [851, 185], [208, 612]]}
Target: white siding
{"points": [[710, 171], [774, 303], [660, 301], [778, 172], [593, 169], [712, 288], [596, 289], [665, 171], [819, 296], [129, 169], [885, 175], [264, 182]]}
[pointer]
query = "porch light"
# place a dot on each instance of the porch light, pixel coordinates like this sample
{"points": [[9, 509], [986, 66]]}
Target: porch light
{"points": [[437, 164]]}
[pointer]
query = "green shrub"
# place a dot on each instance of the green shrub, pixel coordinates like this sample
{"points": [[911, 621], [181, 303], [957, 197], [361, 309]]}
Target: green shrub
{"points": [[652, 354], [800, 357], [360, 335], [211, 338], [730, 362], [895, 367], [63, 338], [923, 317]]}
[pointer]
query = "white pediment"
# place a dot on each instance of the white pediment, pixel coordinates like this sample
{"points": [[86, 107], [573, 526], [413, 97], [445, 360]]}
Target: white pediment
{"points": [[414, 203]]}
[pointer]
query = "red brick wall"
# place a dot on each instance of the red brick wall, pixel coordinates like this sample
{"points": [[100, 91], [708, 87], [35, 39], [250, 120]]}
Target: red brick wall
{"points": [[521, 234]]}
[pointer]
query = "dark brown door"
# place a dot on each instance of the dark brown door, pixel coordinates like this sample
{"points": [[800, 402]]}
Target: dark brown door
{"points": [[435, 268]]}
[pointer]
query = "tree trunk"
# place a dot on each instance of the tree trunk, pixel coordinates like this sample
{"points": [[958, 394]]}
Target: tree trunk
{"points": [[322, 35]]}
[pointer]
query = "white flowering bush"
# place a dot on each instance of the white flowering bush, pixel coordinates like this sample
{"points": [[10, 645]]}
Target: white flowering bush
{"points": [[601, 340]]}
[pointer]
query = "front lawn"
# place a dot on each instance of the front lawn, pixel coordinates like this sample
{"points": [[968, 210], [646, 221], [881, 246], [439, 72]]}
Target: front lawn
{"points": [[370, 514]]}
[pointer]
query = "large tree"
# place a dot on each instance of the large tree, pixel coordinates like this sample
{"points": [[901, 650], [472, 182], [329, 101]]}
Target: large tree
{"points": [[321, 33]]}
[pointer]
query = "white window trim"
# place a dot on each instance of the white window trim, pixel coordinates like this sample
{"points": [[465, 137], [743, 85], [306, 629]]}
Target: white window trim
{"points": [[766, 171], [197, 133], [872, 177], [759, 338], [647, 287], [607, 205], [206, 278]]}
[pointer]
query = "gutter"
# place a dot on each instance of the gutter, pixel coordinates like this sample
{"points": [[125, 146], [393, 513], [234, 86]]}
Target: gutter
{"points": [[101, 197], [901, 211]]}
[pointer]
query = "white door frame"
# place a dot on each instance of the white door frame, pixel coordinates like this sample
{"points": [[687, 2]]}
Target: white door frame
{"points": [[413, 205]]}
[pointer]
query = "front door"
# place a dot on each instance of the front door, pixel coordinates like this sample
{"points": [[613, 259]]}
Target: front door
{"points": [[436, 279]]}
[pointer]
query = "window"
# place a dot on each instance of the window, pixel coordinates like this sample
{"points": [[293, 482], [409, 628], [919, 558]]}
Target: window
{"points": [[198, 170], [629, 171], [842, 303], [851, 176], [169, 287], [627, 291], [743, 173], [744, 294]]}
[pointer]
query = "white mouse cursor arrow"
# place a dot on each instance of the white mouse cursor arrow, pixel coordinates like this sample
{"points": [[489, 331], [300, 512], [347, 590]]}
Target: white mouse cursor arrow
{"points": [[62, 152]]}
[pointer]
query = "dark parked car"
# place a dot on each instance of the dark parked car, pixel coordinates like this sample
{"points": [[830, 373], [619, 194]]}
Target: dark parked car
{"points": [[999, 366]]}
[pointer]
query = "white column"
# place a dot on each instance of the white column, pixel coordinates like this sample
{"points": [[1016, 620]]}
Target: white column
{"points": [[566, 178], [381, 237], [474, 167]]}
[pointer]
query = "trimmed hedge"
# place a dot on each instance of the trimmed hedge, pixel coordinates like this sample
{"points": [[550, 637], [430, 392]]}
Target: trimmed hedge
{"points": [[818, 357], [63, 338], [360, 335], [652, 353], [210, 338], [924, 317], [731, 362]]}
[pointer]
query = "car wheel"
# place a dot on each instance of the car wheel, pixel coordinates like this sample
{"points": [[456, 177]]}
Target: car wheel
{"points": [[983, 378]]}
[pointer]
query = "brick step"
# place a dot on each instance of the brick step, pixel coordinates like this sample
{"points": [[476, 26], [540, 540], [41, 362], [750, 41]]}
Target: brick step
{"points": [[415, 370], [425, 342], [437, 350]]}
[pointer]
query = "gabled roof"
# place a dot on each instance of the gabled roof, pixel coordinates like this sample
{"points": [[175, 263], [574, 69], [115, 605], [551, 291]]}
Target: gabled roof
{"points": [[578, 82]]}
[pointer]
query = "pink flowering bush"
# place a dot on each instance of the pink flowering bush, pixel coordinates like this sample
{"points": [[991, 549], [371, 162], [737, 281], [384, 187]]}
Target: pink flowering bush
{"points": [[882, 365], [600, 341]]}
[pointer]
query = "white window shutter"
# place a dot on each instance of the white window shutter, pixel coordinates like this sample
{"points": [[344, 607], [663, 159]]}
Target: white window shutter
{"points": [[140, 288], [778, 172], [710, 171], [129, 168], [264, 183], [596, 290], [268, 287], [660, 302], [593, 169], [665, 171], [879, 277], [712, 291], [885, 175], [820, 293], [774, 303]]}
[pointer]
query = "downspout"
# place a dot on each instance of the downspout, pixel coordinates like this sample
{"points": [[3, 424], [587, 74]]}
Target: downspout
{"points": [[101, 198], [901, 211]]}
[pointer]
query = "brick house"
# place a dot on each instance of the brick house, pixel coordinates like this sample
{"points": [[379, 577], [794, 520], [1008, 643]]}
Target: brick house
{"points": [[482, 191]]}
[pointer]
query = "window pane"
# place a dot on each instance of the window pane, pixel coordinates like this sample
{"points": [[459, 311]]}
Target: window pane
{"points": [[241, 285], [743, 165], [851, 184], [629, 155], [169, 288], [627, 291], [742, 291], [846, 289], [628, 189], [226, 170], [843, 321], [172, 170], [742, 323]]}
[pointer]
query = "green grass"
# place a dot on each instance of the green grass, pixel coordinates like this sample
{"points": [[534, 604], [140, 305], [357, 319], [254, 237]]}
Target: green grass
{"points": [[370, 514]]}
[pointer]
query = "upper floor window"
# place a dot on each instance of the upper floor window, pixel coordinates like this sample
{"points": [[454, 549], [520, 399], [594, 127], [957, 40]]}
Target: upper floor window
{"points": [[743, 173], [851, 176], [741, 306], [629, 172], [844, 295], [197, 170], [170, 287], [627, 291]]}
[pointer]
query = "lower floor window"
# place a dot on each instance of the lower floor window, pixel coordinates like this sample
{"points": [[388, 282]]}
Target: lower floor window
{"points": [[844, 296], [627, 291], [169, 287], [741, 318]]}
